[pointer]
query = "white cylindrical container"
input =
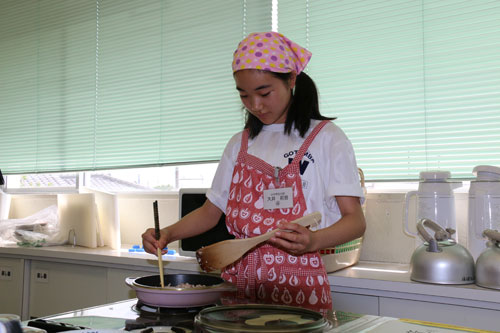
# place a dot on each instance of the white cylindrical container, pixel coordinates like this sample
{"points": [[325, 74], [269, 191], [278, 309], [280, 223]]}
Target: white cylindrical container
{"points": [[4, 205], [435, 201], [484, 207]]}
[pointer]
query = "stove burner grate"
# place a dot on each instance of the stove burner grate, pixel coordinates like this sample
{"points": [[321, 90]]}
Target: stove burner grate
{"points": [[150, 316], [145, 309]]}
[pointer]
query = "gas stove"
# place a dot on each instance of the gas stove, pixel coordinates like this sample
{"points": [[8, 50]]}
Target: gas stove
{"points": [[133, 316], [129, 315], [152, 316]]}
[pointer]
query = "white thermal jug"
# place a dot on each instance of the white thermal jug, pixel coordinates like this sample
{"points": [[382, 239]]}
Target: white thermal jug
{"points": [[4, 205], [4, 200], [484, 207], [435, 201]]}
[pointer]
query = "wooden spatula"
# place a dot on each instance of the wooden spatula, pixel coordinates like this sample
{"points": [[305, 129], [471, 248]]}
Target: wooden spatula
{"points": [[158, 250], [222, 254]]}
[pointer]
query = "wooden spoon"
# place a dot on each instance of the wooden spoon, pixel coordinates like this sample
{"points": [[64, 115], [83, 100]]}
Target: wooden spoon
{"points": [[222, 254], [158, 250]]}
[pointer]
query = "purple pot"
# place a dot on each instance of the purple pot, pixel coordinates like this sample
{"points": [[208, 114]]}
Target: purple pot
{"points": [[206, 290]]}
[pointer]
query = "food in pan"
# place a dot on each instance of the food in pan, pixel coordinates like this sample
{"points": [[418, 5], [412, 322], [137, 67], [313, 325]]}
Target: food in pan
{"points": [[186, 285]]}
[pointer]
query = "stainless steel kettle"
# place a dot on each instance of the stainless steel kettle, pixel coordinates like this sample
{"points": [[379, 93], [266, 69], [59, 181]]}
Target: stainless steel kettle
{"points": [[440, 259], [488, 262], [435, 201]]}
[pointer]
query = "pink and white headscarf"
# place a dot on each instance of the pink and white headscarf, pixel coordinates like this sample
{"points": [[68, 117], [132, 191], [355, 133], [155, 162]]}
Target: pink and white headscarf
{"points": [[270, 51]]}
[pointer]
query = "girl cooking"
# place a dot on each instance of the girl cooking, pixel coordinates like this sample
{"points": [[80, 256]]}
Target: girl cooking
{"points": [[289, 161]]}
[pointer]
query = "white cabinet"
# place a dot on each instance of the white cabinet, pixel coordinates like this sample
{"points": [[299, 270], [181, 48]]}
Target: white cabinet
{"points": [[11, 285], [36, 287], [116, 287], [445, 309], [467, 316], [387, 290], [60, 287], [355, 303]]}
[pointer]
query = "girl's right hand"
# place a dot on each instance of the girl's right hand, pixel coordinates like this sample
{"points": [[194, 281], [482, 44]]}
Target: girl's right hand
{"points": [[150, 243]]}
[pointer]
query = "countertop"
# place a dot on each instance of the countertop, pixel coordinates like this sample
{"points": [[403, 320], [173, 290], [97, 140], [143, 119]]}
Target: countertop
{"points": [[393, 280], [101, 256], [365, 278]]}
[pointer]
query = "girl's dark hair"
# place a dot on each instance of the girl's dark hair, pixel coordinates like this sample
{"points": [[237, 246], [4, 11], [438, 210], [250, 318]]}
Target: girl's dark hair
{"points": [[304, 106]]}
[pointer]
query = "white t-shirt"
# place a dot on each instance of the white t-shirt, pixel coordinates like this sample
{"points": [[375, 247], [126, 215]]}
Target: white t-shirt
{"points": [[328, 169]]}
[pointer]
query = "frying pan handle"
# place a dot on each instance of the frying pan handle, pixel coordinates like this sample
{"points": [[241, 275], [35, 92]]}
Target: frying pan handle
{"points": [[130, 281]]}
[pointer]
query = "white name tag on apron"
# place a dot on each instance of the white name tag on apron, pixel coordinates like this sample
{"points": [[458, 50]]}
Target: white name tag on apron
{"points": [[278, 198]]}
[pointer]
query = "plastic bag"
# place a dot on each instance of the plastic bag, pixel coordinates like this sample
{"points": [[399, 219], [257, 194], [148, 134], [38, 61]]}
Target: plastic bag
{"points": [[39, 229]]}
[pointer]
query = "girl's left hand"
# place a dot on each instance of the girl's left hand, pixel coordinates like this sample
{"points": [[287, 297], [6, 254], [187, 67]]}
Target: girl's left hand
{"points": [[293, 238]]}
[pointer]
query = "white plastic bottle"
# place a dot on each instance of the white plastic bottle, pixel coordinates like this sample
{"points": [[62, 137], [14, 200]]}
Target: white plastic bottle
{"points": [[484, 207]]}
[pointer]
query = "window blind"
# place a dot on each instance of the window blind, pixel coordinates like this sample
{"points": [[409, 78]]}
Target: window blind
{"points": [[101, 84], [414, 84], [47, 63], [114, 83]]}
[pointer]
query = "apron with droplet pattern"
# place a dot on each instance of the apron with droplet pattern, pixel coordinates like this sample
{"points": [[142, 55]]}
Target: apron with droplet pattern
{"points": [[267, 274]]}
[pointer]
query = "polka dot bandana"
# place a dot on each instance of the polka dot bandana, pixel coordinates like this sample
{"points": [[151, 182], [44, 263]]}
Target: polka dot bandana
{"points": [[270, 51]]}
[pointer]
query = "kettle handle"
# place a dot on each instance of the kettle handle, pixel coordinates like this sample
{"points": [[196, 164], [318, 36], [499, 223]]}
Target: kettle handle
{"points": [[492, 234], [407, 203], [433, 246], [440, 233]]}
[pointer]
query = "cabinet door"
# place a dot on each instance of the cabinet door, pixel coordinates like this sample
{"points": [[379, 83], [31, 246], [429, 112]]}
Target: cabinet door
{"points": [[355, 303], [61, 287], [478, 318], [11, 285], [117, 289]]}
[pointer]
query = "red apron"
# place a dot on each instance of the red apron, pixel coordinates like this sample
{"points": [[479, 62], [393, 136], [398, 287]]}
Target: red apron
{"points": [[267, 274]]}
